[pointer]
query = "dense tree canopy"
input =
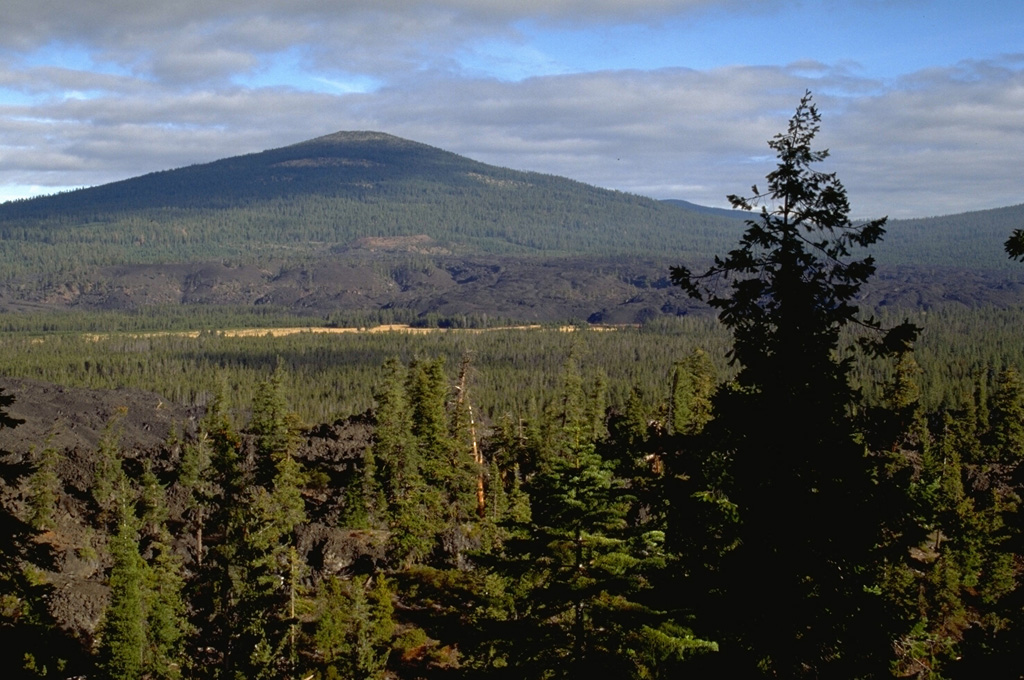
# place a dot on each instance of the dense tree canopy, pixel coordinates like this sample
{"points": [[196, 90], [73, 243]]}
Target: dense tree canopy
{"points": [[759, 498]]}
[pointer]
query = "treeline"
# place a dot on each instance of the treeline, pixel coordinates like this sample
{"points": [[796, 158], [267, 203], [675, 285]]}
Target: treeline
{"points": [[287, 203], [832, 502], [968, 240], [331, 375], [582, 538], [300, 202], [199, 317]]}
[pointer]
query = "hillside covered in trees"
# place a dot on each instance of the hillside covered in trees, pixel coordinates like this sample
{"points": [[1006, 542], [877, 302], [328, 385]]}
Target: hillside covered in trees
{"points": [[364, 223], [799, 489]]}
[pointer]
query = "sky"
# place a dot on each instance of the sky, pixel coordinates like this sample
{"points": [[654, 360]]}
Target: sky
{"points": [[922, 102]]}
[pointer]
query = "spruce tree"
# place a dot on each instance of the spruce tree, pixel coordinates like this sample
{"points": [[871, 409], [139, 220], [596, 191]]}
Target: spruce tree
{"points": [[596, 408], [110, 486], [270, 425], [167, 626], [1005, 438], [197, 478], [252, 532], [273, 509]]}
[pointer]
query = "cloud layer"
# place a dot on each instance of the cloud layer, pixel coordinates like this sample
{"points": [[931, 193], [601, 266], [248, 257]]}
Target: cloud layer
{"points": [[97, 91]]}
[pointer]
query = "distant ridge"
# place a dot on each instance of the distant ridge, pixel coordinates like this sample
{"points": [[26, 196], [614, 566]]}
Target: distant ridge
{"points": [[341, 187], [331, 162], [719, 212], [364, 220]]}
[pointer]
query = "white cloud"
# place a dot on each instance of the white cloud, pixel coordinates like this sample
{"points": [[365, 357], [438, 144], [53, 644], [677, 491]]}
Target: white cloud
{"points": [[148, 86]]}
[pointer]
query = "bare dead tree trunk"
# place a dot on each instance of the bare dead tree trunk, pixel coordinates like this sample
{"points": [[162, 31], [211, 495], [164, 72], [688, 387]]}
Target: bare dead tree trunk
{"points": [[478, 458]]}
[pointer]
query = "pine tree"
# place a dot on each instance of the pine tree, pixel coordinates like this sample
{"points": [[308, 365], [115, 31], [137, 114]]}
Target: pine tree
{"points": [[428, 401], [797, 473], [920, 575], [269, 423], [253, 531], [365, 506], [167, 624], [394, 449], [566, 423], [597, 405], [44, 485], [198, 480], [355, 627], [1005, 437], [693, 384], [634, 425], [412, 445], [123, 634], [578, 572], [273, 510], [152, 503], [109, 482], [507, 453], [219, 518]]}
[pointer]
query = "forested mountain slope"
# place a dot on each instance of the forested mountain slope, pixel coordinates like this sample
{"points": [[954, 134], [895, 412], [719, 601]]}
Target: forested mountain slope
{"points": [[970, 240], [527, 502], [334, 190], [364, 221]]}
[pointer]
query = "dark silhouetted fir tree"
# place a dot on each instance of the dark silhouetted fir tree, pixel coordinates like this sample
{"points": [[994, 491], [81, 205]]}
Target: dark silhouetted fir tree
{"points": [[794, 598]]}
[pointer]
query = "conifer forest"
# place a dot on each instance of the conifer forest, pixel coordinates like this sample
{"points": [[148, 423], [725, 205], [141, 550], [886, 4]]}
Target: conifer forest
{"points": [[789, 484]]}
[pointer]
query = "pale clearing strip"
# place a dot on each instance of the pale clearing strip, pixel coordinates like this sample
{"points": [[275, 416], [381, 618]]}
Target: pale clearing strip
{"points": [[387, 328]]}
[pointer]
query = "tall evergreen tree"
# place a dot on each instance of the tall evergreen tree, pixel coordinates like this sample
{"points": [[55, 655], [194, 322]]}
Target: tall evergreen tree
{"points": [[123, 634], [270, 425], [578, 572], [394, 449], [166, 612], [273, 510], [253, 531], [217, 487], [110, 485], [797, 472], [45, 487], [693, 384], [1005, 437], [566, 423], [597, 405], [355, 627]]}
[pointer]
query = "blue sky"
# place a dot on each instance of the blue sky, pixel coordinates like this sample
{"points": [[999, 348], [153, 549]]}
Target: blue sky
{"points": [[922, 102]]}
